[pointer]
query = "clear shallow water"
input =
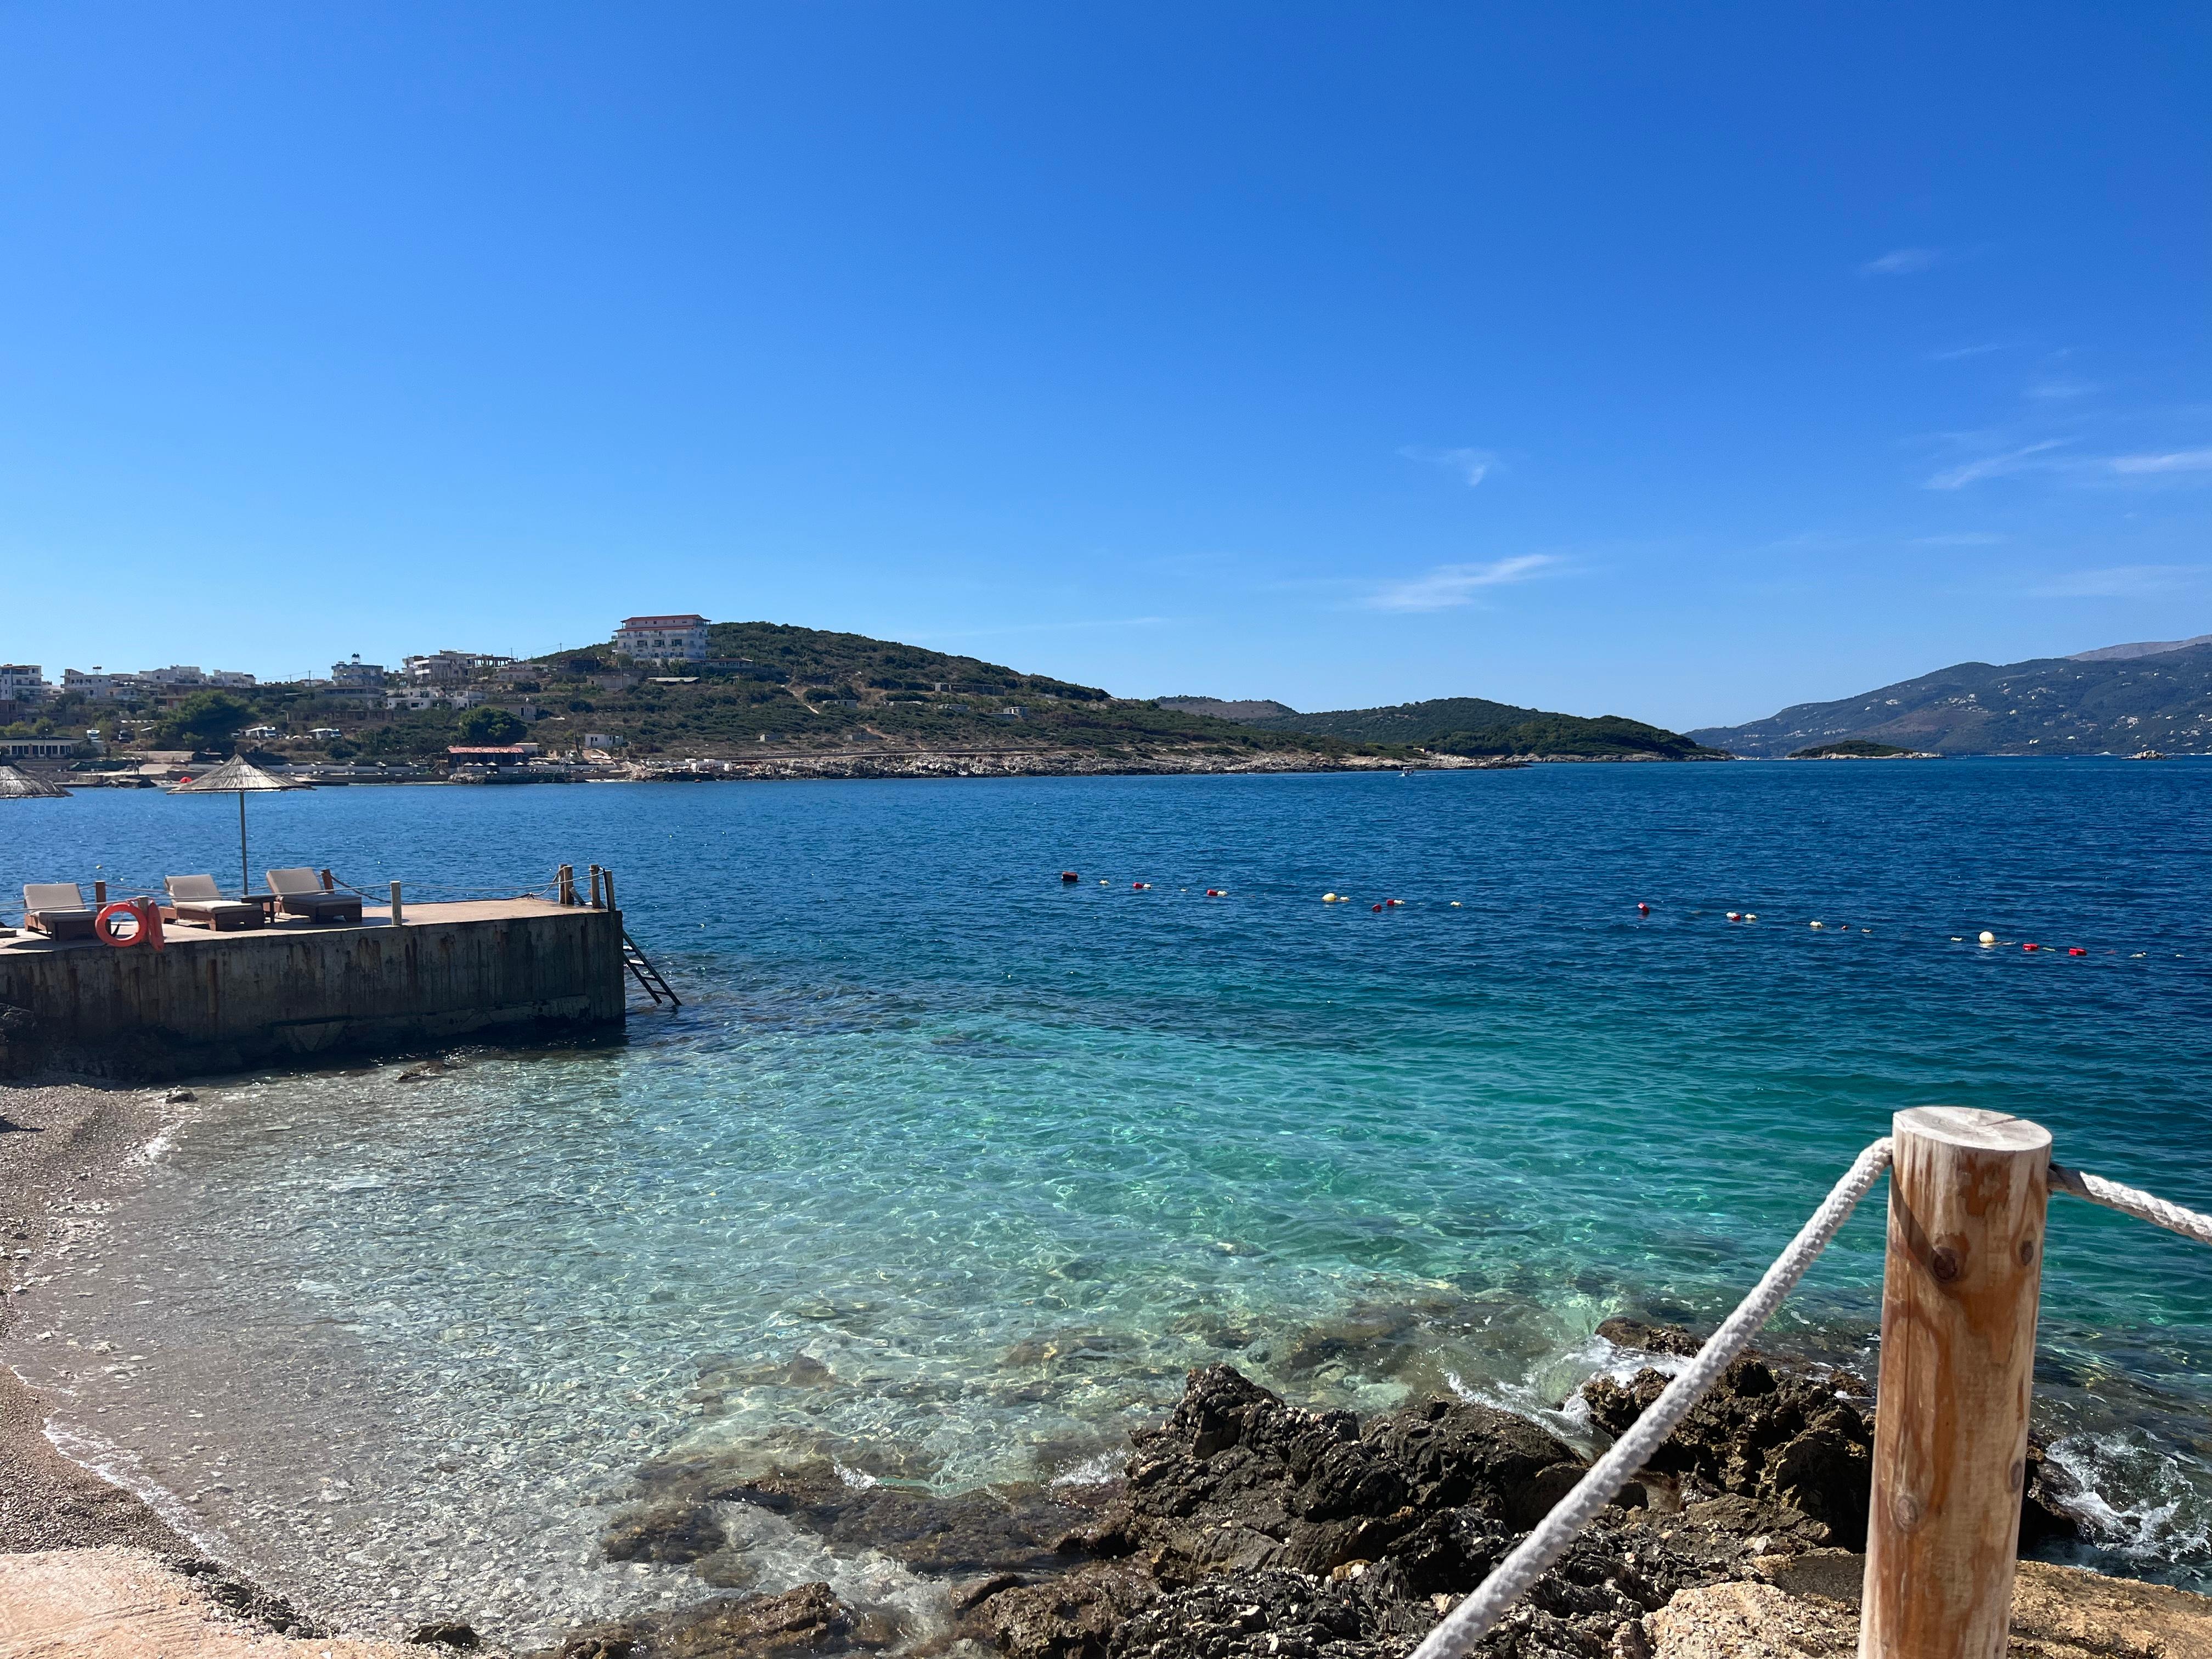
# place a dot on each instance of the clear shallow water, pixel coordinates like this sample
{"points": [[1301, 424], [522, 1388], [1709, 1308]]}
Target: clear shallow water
{"points": [[949, 1171]]}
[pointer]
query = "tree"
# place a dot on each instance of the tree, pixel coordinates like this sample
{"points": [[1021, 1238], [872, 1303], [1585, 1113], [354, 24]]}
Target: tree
{"points": [[205, 720], [481, 726]]}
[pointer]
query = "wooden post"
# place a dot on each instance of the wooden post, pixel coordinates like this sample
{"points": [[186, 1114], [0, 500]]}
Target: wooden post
{"points": [[396, 919], [1966, 1197], [595, 887], [99, 894], [607, 881]]}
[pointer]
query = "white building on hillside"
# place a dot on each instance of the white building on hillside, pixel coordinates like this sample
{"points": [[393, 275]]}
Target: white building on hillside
{"points": [[21, 681], [662, 638]]}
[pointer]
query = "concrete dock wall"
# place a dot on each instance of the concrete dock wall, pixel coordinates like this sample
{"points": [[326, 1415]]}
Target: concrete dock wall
{"points": [[281, 994]]}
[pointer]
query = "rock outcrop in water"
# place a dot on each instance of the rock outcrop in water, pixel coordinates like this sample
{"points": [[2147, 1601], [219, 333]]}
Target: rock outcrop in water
{"points": [[1246, 1527]]}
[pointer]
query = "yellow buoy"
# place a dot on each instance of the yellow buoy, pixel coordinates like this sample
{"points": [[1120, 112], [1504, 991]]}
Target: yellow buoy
{"points": [[1329, 898]]}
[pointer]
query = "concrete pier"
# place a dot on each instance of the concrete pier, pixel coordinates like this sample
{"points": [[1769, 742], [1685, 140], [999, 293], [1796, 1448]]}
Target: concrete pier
{"points": [[514, 969]]}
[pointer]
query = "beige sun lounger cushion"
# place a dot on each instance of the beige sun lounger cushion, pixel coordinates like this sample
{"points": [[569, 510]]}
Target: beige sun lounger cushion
{"points": [[56, 909], [302, 894], [197, 899]]}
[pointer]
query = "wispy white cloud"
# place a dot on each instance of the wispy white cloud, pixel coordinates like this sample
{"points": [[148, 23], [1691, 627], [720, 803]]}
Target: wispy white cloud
{"points": [[1471, 466], [1903, 262], [2179, 460], [1449, 585], [1961, 539], [2023, 459], [1956, 352], [2120, 582], [2054, 389]]}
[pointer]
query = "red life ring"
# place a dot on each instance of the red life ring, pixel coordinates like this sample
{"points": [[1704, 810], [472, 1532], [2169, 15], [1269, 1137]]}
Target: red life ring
{"points": [[144, 912]]}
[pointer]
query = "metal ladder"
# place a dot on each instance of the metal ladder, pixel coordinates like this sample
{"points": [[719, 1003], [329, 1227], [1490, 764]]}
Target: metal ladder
{"points": [[642, 970]]}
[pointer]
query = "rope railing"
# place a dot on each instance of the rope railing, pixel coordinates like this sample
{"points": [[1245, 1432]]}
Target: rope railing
{"points": [[2130, 1200], [1479, 1613]]}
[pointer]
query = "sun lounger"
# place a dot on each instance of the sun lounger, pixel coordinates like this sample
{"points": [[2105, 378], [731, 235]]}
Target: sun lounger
{"points": [[198, 899], [301, 893], [56, 908]]}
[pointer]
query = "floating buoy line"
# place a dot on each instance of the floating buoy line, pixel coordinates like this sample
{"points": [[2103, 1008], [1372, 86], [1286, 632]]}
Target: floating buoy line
{"points": [[1985, 939]]}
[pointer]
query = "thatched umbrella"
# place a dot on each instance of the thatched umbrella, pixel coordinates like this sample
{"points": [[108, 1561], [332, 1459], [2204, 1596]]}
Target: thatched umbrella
{"points": [[241, 775], [19, 786]]}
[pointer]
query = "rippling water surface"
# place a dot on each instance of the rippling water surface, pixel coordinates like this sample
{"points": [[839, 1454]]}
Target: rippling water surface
{"points": [[948, 1170]]}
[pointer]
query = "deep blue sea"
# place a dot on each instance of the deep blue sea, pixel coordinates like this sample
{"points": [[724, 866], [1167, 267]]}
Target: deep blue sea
{"points": [[949, 1169]]}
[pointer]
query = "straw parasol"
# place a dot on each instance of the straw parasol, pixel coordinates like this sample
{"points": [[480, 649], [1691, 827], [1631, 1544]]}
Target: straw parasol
{"points": [[240, 775], [19, 786]]}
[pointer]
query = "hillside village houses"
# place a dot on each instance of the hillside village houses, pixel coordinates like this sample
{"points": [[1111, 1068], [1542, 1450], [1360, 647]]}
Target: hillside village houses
{"points": [[437, 679]]}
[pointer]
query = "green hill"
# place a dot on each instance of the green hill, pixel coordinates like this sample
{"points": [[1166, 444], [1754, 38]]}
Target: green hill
{"points": [[769, 685], [2155, 697], [1475, 726]]}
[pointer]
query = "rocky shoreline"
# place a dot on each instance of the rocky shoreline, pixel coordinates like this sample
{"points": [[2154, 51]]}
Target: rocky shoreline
{"points": [[1246, 1528]]}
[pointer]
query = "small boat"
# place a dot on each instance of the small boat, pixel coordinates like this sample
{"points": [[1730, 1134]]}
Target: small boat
{"points": [[2147, 754]]}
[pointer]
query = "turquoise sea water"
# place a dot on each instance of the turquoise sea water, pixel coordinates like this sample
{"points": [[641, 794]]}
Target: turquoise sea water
{"points": [[949, 1170]]}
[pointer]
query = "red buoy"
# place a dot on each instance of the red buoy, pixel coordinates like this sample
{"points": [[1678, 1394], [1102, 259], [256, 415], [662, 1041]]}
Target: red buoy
{"points": [[2030, 947], [1140, 886], [1069, 875], [2075, 951], [1642, 908], [1377, 908]]}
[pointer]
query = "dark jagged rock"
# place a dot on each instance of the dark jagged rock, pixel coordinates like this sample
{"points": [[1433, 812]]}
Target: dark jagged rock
{"points": [[1781, 1439], [446, 1634], [1237, 1479], [1792, 1445]]}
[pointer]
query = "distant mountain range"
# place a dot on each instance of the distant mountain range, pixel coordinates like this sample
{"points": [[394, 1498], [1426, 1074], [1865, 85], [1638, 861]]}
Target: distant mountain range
{"points": [[1464, 725], [2119, 700]]}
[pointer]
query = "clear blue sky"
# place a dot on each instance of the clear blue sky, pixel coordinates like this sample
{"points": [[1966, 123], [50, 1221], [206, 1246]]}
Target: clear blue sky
{"points": [[1677, 362]]}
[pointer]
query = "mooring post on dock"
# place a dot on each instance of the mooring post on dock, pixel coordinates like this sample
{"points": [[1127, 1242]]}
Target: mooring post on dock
{"points": [[607, 883], [596, 905], [99, 894], [1965, 1268], [396, 919]]}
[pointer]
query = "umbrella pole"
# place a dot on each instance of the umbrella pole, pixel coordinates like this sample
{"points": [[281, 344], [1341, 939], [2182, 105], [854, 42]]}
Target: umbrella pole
{"points": [[245, 886]]}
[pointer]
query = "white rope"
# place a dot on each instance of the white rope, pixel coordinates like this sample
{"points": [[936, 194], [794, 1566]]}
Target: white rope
{"points": [[2129, 1201], [1475, 1617]]}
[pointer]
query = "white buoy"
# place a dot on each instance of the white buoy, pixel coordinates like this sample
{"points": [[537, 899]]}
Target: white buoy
{"points": [[1455, 904], [1988, 937], [1329, 898], [1816, 924]]}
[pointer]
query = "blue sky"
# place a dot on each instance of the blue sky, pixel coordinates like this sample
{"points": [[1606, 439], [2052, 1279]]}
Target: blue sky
{"points": [[1680, 362]]}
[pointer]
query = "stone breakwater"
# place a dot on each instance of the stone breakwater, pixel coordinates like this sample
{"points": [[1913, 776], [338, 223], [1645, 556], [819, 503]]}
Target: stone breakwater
{"points": [[1246, 1527]]}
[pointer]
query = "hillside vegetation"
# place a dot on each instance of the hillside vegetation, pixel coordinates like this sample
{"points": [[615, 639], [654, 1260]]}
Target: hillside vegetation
{"points": [[769, 687], [1477, 727], [2089, 705]]}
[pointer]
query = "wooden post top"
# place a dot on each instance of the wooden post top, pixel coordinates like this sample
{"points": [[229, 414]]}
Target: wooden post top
{"points": [[1971, 1129]]}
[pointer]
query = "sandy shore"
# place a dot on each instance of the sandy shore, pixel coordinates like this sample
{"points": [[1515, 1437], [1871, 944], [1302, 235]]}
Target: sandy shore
{"points": [[63, 1150], [85, 1566]]}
